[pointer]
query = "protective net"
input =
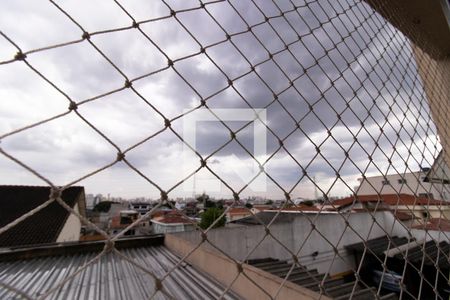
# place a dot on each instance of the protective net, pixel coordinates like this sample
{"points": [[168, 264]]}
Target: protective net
{"points": [[318, 122]]}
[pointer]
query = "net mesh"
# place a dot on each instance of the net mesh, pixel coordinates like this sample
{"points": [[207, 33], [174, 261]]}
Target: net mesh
{"points": [[102, 95]]}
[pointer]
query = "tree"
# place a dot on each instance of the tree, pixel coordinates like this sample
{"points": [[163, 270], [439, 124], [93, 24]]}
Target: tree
{"points": [[210, 215], [269, 202], [203, 197], [220, 203], [248, 205], [103, 206]]}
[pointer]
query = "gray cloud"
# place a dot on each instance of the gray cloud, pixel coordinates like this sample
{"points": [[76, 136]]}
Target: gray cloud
{"points": [[338, 80]]}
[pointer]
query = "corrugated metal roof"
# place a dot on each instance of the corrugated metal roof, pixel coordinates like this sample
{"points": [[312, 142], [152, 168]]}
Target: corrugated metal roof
{"points": [[428, 253], [335, 288], [378, 245], [111, 277]]}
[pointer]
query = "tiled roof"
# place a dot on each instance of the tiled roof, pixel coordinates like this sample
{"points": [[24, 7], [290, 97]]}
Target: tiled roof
{"points": [[42, 227], [343, 202], [239, 211], [299, 207], [110, 277], [436, 224], [265, 218], [173, 218], [390, 199], [403, 216]]}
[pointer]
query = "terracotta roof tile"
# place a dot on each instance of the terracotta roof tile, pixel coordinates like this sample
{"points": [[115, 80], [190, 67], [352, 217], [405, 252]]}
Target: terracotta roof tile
{"points": [[239, 211], [391, 199], [300, 207], [437, 224]]}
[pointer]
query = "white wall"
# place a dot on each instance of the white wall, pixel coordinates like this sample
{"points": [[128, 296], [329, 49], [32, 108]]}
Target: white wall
{"points": [[287, 238], [171, 228], [71, 229], [414, 186]]}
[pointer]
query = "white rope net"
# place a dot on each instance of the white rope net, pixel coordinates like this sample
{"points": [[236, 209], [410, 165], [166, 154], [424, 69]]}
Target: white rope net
{"points": [[122, 95]]}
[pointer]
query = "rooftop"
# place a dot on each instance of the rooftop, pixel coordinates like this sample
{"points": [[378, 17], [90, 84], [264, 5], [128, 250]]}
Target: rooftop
{"points": [[43, 226], [389, 199], [437, 224], [378, 245], [172, 218], [335, 288], [112, 276]]}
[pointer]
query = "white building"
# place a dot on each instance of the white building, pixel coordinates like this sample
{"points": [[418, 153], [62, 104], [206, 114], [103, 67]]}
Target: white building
{"points": [[414, 183], [172, 223]]}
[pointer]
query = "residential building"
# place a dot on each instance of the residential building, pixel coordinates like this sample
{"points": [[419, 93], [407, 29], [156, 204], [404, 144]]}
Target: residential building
{"points": [[172, 222], [53, 223], [236, 213], [141, 207], [122, 221], [406, 207], [90, 201], [413, 183]]}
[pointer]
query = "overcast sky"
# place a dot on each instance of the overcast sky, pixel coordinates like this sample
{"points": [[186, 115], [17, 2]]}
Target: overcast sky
{"points": [[369, 78]]}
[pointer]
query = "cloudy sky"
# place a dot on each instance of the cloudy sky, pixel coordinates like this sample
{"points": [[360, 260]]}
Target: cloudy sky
{"points": [[331, 76]]}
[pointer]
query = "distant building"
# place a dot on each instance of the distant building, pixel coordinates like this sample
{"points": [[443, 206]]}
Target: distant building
{"points": [[236, 213], [90, 201], [123, 220], [405, 207], [172, 222], [51, 224], [141, 207]]}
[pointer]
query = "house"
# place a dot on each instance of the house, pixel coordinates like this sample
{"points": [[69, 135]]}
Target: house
{"points": [[141, 207], [53, 223], [122, 221], [236, 213], [172, 222], [420, 183], [404, 206]]}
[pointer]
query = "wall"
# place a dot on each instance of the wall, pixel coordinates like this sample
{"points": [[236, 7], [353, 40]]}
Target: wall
{"points": [[71, 229], [256, 284], [237, 242], [435, 75], [414, 186], [170, 228]]}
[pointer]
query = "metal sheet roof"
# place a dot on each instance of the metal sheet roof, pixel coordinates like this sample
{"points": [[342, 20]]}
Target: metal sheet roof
{"points": [[429, 253], [378, 245], [111, 277], [335, 288]]}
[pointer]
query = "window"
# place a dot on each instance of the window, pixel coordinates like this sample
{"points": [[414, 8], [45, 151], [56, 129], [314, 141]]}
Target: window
{"points": [[385, 182], [125, 220], [402, 181], [426, 195]]}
